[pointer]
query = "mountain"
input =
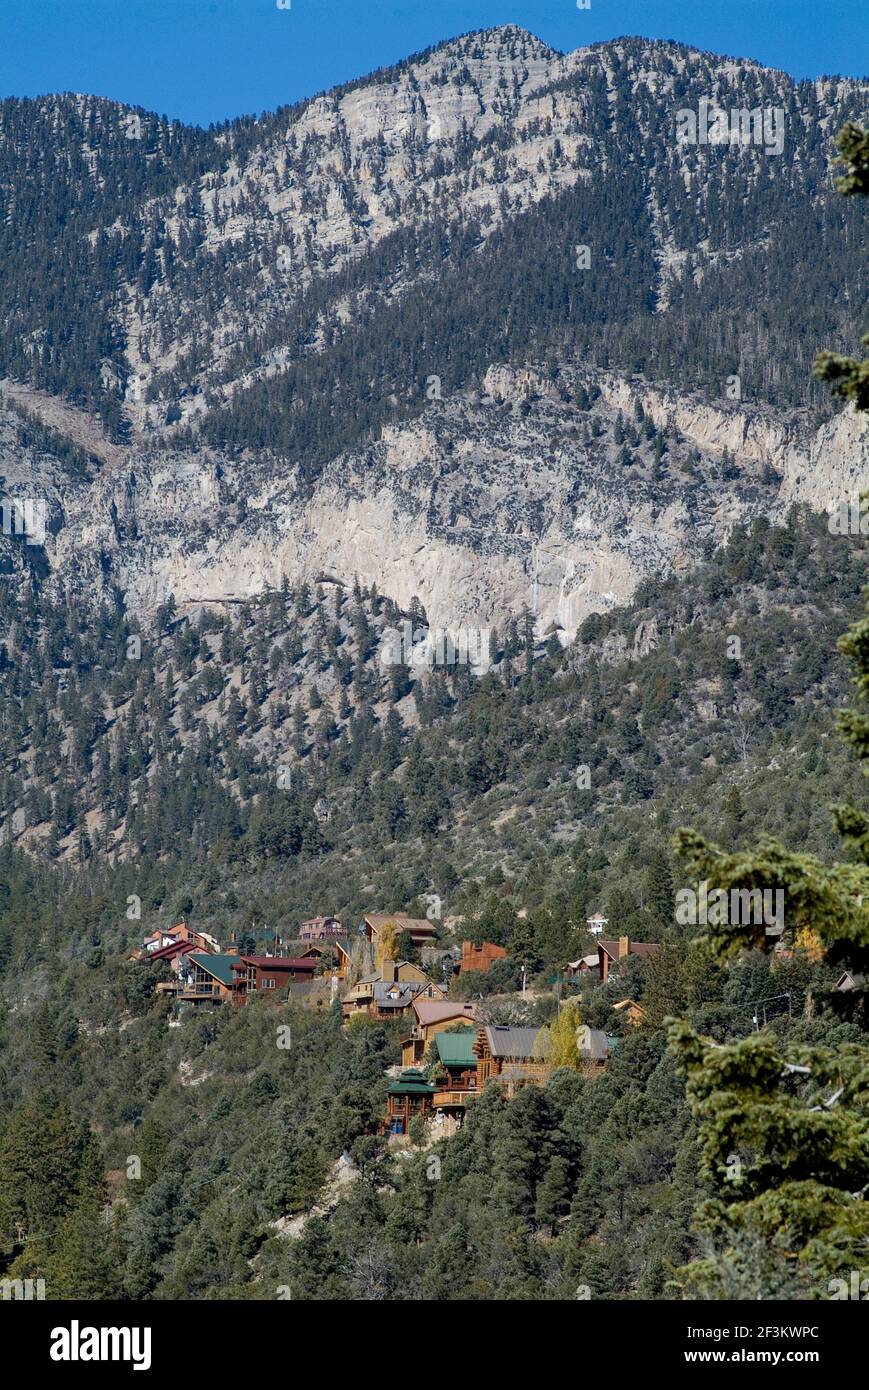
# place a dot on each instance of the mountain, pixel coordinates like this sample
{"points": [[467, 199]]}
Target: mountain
{"points": [[478, 341], [357, 335], [192, 1159]]}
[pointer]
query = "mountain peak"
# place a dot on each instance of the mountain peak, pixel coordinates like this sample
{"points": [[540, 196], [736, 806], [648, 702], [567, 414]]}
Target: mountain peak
{"points": [[503, 39]]}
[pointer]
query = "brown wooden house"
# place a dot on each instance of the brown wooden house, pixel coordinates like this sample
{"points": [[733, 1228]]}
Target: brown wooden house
{"points": [[632, 1011], [512, 1056], [262, 974], [205, 979], [585, 965], [421, 930], [333, 955], [455, 1070], [482, 957], [433, 1016], [611, 952]]}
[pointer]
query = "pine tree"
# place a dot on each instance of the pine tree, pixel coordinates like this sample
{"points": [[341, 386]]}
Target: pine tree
{"points": [[849, 378], [783, 1129], [660, 891]]}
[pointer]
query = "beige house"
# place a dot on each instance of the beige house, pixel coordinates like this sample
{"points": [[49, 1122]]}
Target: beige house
{"points": [[433, 1016]]}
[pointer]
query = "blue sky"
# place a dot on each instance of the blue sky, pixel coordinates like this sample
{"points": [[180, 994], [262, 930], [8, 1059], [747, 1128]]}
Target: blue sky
{"points": [[205, 60]]}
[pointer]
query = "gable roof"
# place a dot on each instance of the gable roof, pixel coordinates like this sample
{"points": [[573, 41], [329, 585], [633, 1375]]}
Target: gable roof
{"points": [[396, 994], [851, 979], [514, 1042], [175, 948], [417, 926], [218, 966], [628, 1005], [430, 1011], [275, 962], [457, 1049]]}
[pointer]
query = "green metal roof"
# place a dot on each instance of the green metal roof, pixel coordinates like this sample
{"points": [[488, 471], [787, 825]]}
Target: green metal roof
{"points": [[218, 966], [456, 1049], [411, 1082]]}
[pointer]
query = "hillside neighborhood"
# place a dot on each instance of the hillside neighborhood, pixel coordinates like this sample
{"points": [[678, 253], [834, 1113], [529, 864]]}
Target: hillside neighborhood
{"points": [[450, 1049]]}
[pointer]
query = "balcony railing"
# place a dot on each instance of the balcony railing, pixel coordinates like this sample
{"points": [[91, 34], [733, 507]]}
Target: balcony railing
{"points": [[451, 1097]]}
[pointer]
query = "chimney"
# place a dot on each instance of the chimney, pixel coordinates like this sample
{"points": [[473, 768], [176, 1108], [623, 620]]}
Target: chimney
{"points": [[624, 946]]}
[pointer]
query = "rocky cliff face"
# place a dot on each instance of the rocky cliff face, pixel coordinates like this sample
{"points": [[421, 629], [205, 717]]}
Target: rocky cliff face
{"points": [[488, 504], [556, 487]]}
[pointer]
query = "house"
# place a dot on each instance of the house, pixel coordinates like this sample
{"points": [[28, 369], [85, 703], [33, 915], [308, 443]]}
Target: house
{"points": [[633, 1012], [596, 923], [586, 965], [390, 993], [849, 981], [320, 929], [332, 952], [432, 1017], [513, 1056], [481, 957], [455, 1070], [359, 999], [317, 953], [259, 974], [163, 937], [392, 998], [408, 1097], [342, 954], [409, 972], [205, 979], [157, 941], [172, 955], [422, 932], [611, 952]]}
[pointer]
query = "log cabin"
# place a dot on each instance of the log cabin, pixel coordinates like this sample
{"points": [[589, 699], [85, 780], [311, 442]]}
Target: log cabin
{"points": [[513, 1056]]}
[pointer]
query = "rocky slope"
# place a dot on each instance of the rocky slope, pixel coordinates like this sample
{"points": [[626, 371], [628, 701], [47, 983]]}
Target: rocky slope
{"points": [[489, 503], [200, 267]]}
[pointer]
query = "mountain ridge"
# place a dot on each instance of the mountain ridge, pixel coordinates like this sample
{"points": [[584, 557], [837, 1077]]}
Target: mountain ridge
{"points": [[551, 226]]}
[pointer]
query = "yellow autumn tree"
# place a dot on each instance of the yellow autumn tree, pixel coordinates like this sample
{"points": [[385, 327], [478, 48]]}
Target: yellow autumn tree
{"points": [[564, 1051], [806, 941], [387, 945]]}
